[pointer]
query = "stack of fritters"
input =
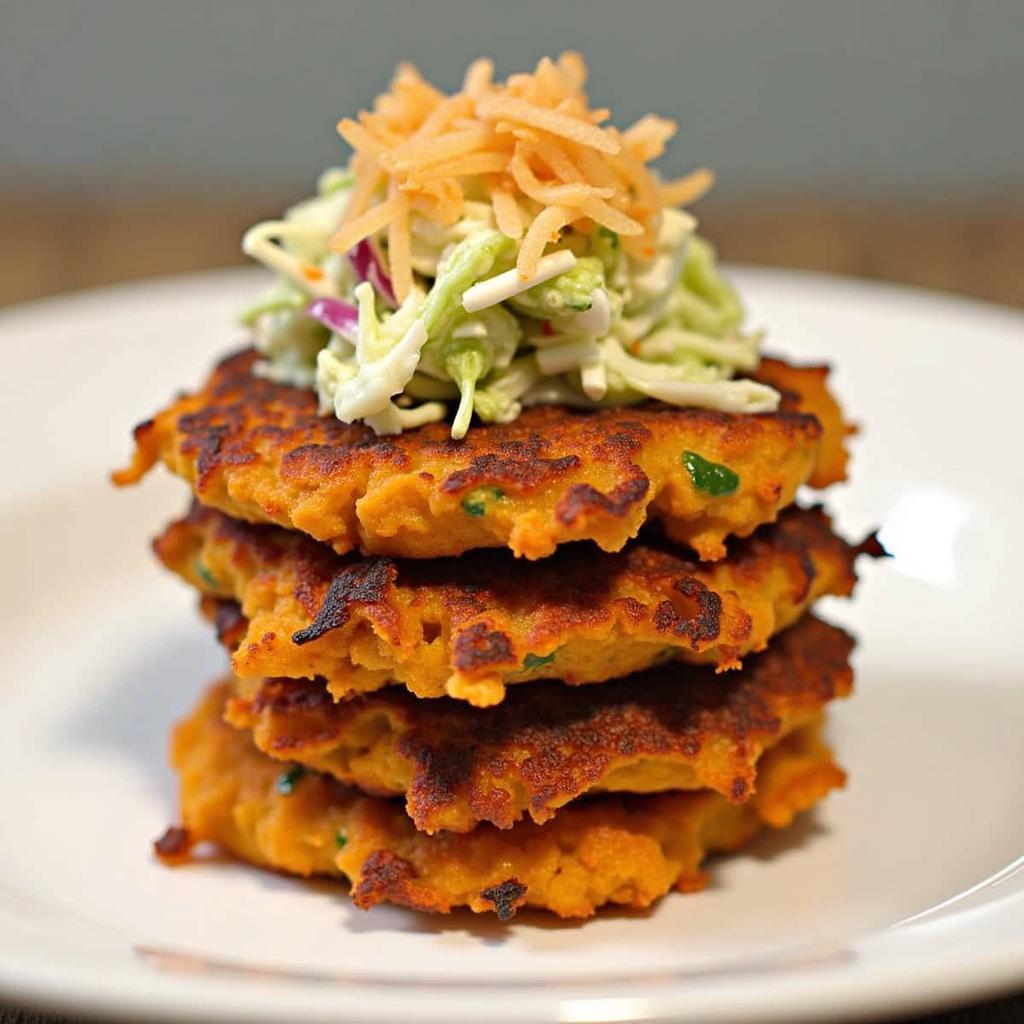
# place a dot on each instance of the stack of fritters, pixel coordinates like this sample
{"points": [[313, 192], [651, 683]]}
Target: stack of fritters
{"points": [[375, 727]]}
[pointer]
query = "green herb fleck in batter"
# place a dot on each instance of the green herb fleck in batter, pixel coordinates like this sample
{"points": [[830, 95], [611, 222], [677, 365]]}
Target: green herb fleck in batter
{"points": [[287, 781], [710, 477], [475, 503]]}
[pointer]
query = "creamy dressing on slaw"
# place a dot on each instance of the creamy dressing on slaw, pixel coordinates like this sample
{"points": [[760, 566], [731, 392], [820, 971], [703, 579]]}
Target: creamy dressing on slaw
{"points": [[647, 329]]}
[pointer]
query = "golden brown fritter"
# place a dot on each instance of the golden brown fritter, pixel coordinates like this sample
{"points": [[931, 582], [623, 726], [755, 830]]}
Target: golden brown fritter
{"points": [[811, 383], [674, 727], [612, 849], [468, 627], [258, 451]]}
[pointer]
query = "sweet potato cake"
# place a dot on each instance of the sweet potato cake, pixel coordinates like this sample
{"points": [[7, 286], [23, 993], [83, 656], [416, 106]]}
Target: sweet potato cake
{"points": [[259, 451], [627, 850], [468, 627], [673, 727]]}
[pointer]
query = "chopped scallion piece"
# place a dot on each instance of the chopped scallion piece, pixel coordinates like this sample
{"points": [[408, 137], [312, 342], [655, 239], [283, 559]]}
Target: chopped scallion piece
{"points": [[532, 661], [287, 781], [475, 503], [710, 477]]}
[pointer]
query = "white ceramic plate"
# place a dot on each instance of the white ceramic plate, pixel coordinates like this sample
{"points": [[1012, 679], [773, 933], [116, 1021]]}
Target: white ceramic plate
{"points": [[905, 891]]}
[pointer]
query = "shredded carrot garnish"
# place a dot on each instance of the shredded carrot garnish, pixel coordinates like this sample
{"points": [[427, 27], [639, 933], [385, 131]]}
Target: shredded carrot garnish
{"points": [[532, 146], [471, 163], [607, 216], [530, 185], [439, 201], [689, 189], [637, 177], [400, 249], [555, 156], [548, 80], [381, 129], [368, 178], [357, 136], [418, 152], [596, 169], [478, 78], [572, 128], [544, 229], [452, 109], [369, 223], [646, 139], [574, 68], [507, 214]]}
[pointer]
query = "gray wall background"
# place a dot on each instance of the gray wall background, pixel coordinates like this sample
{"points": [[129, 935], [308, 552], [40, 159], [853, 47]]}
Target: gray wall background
{"points": [[856, 97]]}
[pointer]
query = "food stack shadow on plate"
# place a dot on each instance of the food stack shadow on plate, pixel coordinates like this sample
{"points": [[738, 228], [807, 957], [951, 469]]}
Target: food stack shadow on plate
{"points": [[485, 730], [496, 519]]}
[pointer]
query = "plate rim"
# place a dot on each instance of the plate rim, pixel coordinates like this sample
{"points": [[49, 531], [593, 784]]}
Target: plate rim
{"points": [[796, 994]]}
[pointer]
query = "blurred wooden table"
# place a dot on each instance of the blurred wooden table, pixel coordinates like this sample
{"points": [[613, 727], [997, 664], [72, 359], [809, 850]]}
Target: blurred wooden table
{"points": [[59, 243]]}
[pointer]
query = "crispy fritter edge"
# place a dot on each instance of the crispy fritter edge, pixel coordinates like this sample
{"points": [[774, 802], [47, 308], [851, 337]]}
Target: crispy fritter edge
{"points": [[470, 627], [258, 450], [550, 744], [610, 849]]}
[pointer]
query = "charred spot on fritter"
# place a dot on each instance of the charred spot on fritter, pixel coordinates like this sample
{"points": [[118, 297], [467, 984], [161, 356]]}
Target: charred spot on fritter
{"points": [[207, 434], [262, 539], [279, 696], [810, 572], [303, 714], [365, 582], [312, 574], [582, 499], [621, 441], [229, 622], [505, 897], [462, 598], [704, 625], [799, 543], [320, 461], [316, 460], [872, 547], [634, 609], [142, 428], [444, 770], [806, 538], [386, 877], [174, 846], [517, 465], [479, 646]]}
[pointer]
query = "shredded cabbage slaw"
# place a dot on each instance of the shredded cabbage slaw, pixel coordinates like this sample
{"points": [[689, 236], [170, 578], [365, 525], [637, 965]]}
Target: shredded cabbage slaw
{"points": [[597, 320]]}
